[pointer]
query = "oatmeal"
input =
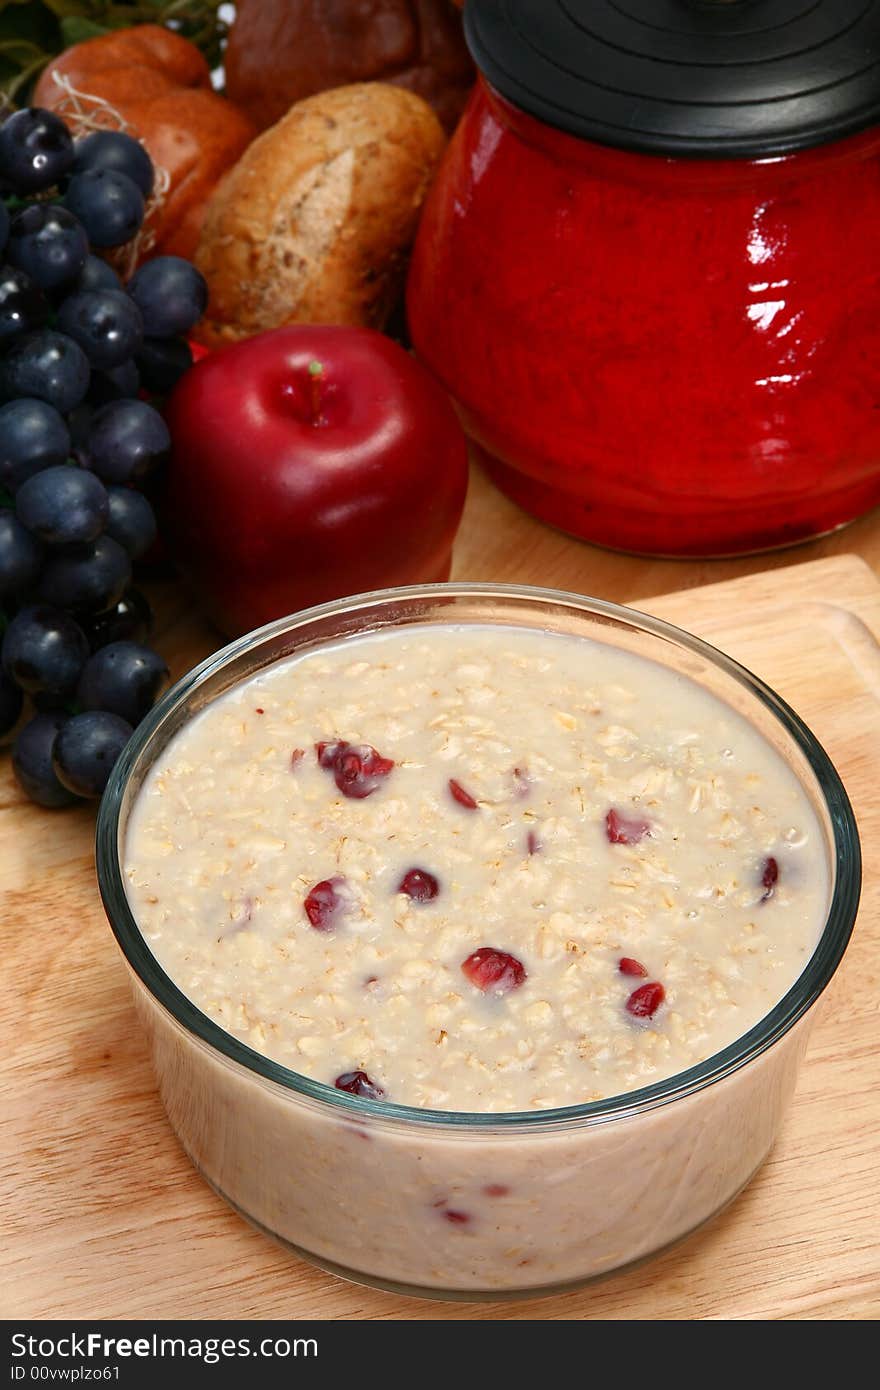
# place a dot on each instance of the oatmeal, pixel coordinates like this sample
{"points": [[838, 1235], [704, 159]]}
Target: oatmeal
{"points": [[477, 868]]}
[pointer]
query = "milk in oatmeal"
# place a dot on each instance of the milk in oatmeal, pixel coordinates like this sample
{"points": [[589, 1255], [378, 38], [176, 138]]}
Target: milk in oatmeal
{"points": [[477, 868]]}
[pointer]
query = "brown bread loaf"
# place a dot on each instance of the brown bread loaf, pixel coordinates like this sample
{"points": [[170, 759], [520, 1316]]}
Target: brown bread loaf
{"points": [[314, 222]]}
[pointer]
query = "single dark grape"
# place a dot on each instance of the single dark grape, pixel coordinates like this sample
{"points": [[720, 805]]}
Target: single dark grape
{"points": [[127, 440], [63, 505], [96, 275], [11, 702], [131, 521], [120, 383], [106, 324], [86, 749], [33, 436], [124, 678], [108, 204], [113, 149], [36, 150], [171, 295], [4, 224], [48, 243], [44, 648], [47, 365], [21, 556], [131, 619], [89, 577], [32, 761], [162, 362], [23, 305]]}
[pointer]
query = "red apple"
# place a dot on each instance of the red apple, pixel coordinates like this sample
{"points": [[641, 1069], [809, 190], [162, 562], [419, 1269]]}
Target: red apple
{"points": [[309, 463]]}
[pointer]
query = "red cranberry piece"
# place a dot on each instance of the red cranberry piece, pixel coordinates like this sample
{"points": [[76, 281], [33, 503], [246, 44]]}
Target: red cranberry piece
{"points": [[458, 1218], [359, 771], [496, 1189], [327, 754], [625, 830], [419, 885], [357, 768], [533, 844], [463, 797], [627, 966], [357, 1083], [260, 711], [769, 878], [324, 903], [646, 1000], [494, 972]]}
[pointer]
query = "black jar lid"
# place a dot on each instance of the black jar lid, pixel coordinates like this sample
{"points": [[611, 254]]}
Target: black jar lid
{"points": [[700, 78]]}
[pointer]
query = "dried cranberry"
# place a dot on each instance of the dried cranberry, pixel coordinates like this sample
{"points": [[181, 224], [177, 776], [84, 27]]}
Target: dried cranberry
{"points": [[627, 966], [357, 1083], [327, 753], [458, 1218], [419, 885], [494, 972], [324, 903], [769, 878], [496, 1189], [463, 797], [533, 844], [357, 768], [625, 830], [646, 1000]]}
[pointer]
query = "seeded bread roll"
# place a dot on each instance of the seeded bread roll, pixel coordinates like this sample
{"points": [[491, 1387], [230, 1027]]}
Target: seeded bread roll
{"points": [[314, 222]]}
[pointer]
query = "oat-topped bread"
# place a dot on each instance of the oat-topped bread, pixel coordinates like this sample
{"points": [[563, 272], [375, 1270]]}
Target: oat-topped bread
{"points": [[314, 222]]}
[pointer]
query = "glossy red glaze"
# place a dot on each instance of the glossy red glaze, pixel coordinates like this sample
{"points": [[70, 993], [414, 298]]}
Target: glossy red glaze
{"points": [[674, 357]]}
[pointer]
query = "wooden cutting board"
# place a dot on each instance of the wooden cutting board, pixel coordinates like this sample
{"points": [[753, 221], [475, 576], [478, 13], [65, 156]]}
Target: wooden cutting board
{"points": [[104, 1216]]}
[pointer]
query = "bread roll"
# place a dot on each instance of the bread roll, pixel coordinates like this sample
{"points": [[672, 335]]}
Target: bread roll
{"points": [[313, 223], [160, 84]]}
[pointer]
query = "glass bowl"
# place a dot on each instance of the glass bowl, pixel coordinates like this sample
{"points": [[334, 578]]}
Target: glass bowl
{"points": [[353, 1185]]}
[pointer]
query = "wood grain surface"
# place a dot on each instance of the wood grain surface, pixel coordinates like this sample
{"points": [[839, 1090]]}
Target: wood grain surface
{"points": [[103, 1216]]}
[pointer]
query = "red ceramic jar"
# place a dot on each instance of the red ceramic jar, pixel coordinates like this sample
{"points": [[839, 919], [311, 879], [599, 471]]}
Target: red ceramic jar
{"points": [[668, 355]]}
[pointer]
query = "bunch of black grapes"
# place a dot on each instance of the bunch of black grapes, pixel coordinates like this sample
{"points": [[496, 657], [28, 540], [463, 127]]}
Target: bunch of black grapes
{"points": [[78, 352]]}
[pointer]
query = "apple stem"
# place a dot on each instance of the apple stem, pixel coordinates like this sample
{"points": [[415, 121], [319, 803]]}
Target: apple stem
{"points": [[316, 380]]}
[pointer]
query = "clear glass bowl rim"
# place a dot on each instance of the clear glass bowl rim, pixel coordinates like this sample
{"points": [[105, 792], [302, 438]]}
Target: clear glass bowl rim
{"points": [[790, 1009]]}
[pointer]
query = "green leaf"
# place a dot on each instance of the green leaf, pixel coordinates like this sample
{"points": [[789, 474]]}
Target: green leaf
{"points": [[76, 29], [73, 9]]}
